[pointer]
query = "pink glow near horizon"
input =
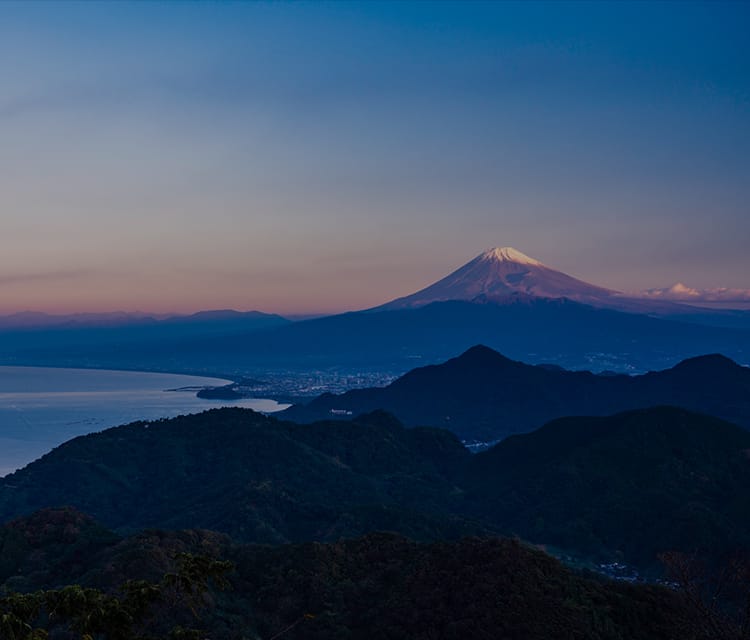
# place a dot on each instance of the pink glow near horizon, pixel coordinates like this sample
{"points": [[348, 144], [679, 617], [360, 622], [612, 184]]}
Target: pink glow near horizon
{"points": [[314, 158]]}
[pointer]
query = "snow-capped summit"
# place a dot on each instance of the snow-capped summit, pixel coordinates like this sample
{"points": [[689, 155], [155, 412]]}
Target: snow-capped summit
{"points": [[682, 293], [508, 254], [498, 273]]}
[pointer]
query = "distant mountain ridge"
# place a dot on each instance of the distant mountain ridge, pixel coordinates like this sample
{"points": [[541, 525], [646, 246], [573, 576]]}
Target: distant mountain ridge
{"points": [[482, 395], [502, 298], [81, 339], [682, 293], [40, 320], [560, 331]]}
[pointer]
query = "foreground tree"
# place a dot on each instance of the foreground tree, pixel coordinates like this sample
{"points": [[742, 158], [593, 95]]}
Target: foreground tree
{"points": [[130, 613], [719, 594]]}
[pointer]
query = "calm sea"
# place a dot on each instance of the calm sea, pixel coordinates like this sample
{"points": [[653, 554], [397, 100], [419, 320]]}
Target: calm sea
{"points": [[41, 408]]}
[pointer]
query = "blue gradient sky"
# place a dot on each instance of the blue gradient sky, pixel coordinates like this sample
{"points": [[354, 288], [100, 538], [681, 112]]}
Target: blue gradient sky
{"points": [[321, 157]]}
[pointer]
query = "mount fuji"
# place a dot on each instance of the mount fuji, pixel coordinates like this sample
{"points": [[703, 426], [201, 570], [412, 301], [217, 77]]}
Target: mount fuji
{"points": [[502, 272], [504, 275]]}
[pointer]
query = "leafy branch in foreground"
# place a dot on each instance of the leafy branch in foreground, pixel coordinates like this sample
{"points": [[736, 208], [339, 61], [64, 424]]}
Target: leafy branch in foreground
{"points": [[128, 614], [718, 594]]}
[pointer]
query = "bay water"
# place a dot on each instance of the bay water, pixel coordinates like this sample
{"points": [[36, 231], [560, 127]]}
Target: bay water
{"points": [[41, 408]]}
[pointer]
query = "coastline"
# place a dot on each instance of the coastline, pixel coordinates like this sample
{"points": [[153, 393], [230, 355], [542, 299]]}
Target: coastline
{"points": [[43, 407]]}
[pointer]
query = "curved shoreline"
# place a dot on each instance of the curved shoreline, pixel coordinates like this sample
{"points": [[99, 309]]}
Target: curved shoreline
{"points": [[219, 380], [42, 407]]}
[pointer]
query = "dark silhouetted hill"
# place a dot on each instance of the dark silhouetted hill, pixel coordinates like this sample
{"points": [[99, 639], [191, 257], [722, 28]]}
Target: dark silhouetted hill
{"points": [[637, 483], [253, 477], [627, 486], [482, 395]]}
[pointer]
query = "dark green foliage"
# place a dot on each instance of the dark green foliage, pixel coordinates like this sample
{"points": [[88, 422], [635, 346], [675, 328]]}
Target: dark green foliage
{"points": [[383, 586], [50, 545], [135, 611], [377, 587], [483, 395], [625, 487], [717, 593], [634, 484], [253, 477]]}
